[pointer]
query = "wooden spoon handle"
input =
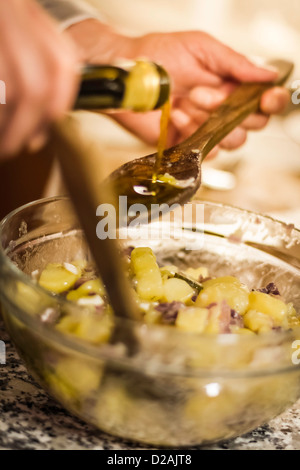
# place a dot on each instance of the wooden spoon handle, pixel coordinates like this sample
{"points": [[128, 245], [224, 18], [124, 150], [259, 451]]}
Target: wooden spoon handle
{"points": [[242, 102], [82, 177]]}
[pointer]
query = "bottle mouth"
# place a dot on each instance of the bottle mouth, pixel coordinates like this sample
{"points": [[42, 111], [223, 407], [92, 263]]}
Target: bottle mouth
{"points": [[147, 87]]}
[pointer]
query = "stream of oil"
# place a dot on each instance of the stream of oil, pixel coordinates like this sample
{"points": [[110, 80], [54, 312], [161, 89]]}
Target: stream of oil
{"points": [[162, 141], [143, 185]]}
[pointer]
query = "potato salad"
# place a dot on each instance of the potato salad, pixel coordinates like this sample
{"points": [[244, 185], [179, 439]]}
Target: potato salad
{"points": [[193, 301]]}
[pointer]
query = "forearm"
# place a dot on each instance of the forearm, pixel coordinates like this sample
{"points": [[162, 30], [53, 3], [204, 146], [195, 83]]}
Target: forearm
{"points": [[97, 42], [69, 12], [87, 28]]}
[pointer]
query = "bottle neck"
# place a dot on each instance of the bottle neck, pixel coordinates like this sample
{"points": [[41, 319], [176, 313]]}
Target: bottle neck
{"points": [[102, 87], [144, 86]]}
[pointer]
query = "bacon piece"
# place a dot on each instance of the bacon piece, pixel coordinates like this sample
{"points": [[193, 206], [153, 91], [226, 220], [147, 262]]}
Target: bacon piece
{"points": [[169, 311]]}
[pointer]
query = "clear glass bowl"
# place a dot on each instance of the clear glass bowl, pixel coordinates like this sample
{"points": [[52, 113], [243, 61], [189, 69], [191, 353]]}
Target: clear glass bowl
{"points": [[178, 389]]}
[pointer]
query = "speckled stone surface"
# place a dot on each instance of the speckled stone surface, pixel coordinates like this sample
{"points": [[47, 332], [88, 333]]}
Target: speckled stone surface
{"points": [[29, 419]]}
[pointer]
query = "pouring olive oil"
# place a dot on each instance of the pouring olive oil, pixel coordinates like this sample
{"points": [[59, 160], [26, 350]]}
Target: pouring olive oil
{"points": [[148, 182], [143, 86]]}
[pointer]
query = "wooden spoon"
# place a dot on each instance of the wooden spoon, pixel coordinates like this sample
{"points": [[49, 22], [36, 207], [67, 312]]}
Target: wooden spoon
{"points": [[183, 161]]}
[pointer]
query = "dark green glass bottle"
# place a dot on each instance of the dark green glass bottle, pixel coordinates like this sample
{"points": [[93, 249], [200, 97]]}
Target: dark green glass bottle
{"points": [[143, 86]]}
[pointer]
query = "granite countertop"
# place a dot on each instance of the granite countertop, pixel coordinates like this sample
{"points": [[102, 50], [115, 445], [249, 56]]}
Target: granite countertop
{"points": [[30, 419]]}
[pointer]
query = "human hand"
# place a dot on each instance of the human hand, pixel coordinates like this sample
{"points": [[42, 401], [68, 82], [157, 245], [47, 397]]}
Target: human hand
{"points": [[203, 72], [38, 67]]}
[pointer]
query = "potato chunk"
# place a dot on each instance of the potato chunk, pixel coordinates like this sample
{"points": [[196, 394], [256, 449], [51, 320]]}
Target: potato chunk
{"points": [[147, 273], [74, 379], [168, 271], [241, 331], [258, 322], [58, 278], [94, 286], [197, 273], [91, 328], [177, 290], [192, 320], [227, 289], [269, 305]]}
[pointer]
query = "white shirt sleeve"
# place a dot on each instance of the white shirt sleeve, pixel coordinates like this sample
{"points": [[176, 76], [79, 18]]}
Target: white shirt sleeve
{"points": [[69, 12]]}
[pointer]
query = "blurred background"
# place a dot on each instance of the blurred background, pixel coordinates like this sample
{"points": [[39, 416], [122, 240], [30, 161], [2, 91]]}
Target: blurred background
{"points": [[264, 175]]}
